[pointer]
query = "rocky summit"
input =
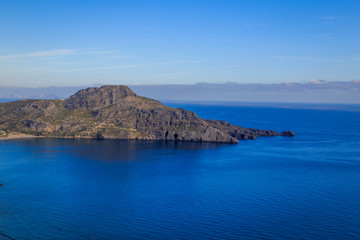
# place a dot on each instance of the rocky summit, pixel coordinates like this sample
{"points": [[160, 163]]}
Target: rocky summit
{"points": [[116, 112]]}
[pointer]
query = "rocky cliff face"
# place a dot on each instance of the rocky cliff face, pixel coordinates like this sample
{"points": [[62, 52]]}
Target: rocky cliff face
{"points": [[116, 112], [93, 98]]}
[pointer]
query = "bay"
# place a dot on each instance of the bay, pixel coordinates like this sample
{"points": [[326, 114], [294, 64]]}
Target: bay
{"points": [[305, 187]]}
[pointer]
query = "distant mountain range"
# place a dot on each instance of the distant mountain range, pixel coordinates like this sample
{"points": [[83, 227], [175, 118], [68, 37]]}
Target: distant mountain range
{"points": [[308, 92]]}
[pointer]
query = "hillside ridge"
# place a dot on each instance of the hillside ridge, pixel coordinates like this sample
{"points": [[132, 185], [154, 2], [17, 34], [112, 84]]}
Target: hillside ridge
{"points": [[116, 112]]}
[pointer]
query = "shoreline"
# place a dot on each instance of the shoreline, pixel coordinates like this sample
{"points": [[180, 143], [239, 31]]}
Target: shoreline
{"points": [[19, 136], [14, 136]]}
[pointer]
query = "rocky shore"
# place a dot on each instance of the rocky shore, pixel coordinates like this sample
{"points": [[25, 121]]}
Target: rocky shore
{"points": [[116, 112]]}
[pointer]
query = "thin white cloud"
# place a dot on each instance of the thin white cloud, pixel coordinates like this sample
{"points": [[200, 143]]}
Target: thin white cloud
{"points": [[290, 57], [96, 51], [178, 62], [323, 35], [100, 68], [222, 40], [356, 59], [127, 66], [329, 17], [50, 53], [99, 50], [255, 25]]}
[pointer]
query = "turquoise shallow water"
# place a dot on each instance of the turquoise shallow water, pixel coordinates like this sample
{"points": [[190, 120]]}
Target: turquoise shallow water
{"points": [[306, 187]]}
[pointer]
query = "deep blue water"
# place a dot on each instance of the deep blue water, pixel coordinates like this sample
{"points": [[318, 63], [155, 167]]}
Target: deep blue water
{"points": [[305, 187]]}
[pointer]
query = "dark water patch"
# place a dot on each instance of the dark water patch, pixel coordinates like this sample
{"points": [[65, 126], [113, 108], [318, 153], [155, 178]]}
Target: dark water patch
{"points": [[306, 187]]}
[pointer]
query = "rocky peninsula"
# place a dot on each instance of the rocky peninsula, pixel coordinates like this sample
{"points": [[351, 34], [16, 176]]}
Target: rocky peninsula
{"points": [[116, 112]]}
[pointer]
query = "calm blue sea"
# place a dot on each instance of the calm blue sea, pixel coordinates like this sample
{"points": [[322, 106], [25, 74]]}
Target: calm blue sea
{"points": [[305, 187]]}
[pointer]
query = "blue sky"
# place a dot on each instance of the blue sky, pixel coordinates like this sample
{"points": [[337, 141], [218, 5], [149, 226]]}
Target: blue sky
{"points": [[72, 43]]}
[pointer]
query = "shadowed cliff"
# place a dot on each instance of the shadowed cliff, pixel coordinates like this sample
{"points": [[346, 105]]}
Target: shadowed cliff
{"points": [[116, 112]]}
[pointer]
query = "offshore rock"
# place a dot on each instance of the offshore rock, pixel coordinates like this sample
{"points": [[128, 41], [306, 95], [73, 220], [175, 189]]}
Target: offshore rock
{"points": [[116, 112], [287, 133]]}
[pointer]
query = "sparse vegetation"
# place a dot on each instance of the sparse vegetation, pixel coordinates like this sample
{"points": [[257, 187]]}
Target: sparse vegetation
{"points": [[115, 112]]}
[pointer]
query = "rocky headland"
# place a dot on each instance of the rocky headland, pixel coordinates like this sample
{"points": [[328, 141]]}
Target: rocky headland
{"points": [[116, 112]]}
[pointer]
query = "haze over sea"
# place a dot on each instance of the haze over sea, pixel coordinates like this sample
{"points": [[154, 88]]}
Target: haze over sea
{"points": [[305, 187]]}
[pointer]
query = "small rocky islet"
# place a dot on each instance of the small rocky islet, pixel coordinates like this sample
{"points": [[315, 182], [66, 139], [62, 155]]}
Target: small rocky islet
{"points": [[116, 112]]}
